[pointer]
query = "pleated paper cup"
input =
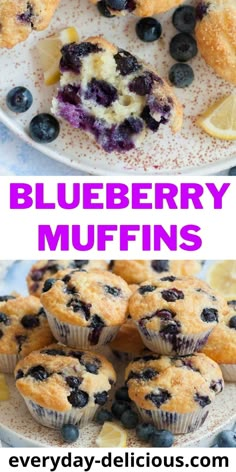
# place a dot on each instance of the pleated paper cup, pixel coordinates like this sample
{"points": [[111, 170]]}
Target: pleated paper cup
{"points": [[80, 336], [229, 372], [175, 422], [8, 363], [179, 344], [56, 419]]}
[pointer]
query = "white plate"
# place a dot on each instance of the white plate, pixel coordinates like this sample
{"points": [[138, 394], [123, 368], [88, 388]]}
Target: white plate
{"points": [[190, 151], [18, 429]]}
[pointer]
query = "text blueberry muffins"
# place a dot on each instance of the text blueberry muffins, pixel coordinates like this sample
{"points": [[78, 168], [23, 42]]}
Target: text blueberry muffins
{"points": [[174, 393], [23, 328], [61, 385], [176, 318], [86, 309]]}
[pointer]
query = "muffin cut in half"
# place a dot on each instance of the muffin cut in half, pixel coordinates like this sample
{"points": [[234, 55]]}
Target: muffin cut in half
{"points": [[138, 7], [109, 93]]}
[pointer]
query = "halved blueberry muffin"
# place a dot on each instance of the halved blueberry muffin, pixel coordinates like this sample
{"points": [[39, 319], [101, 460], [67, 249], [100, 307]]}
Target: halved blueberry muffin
{"points": [[110, 94], [177, 316], [19, 18], [43, 270], [174, 393], [86, 309], [138, 7], [136, 272], [216, 36], [61, 385], [23, 328]]}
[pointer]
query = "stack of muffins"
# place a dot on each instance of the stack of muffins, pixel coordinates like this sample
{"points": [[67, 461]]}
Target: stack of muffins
{"points": [[85, 305]]}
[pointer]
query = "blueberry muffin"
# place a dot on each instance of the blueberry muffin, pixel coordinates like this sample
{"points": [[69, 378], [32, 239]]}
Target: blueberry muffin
{"points": [[177, 318], [174, 393], [18, 18], [23, 328], [136, 272], [86, 309], [216, 38], [110, 94], [138, 7], [61, 385], [221, 346], [43, 270]]}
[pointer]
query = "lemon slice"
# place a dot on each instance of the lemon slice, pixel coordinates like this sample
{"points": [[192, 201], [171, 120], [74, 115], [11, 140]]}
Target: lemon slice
{"points": [[4, 390], [50, 52], [112, 435], [220, 119], [222, 277]]}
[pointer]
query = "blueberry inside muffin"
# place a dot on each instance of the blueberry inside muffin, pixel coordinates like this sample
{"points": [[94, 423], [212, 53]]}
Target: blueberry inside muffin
{"points": [[110, 94]]}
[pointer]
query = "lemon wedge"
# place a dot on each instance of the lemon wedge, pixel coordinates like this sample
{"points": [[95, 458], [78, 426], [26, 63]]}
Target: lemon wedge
{"points": [[4, 391], [222, 277], [50, 53], [220, 119], [112, 435]]}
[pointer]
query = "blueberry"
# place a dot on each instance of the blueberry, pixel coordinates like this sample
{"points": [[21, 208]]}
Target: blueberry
{"points": [[48, 284], [159, 398], [78, 264], [232, 171], [73, 382], [4, 318], [171, 329], [168, 278], [209, 315], [183, 47], [126, 63], [103, 10], [226, 439], [117, 4], [5, 298], [146, 289], [202, 9], [129, 419], [144, 431], [54, 352], [118, 408], [160, 266], [151, 123], [19, 374], [101, 92], [44, 128], [97, 322], [184, 19], [30, 321], [181, 75], [70, 433], [101, 398], [148, 29], [72, 54], [38, 373], [165, 315], [232, 322], [232, 304], [78, 399], [143, 84], [203, 400], [1, 334], [116, 292], [78, 305], [122, 394], [103, 415], [172, 295], [19, 99], [91, 366], [162, 438]]}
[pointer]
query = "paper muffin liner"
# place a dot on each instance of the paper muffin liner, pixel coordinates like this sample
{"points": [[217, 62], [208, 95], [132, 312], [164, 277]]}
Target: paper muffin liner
{"points": [[229, 372], [56, 419], [175, 422], [81, 336], [179, 344], [8, 363]]}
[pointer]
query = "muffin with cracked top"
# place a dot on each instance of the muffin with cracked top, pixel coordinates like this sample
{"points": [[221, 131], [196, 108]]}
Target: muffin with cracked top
{"points": [[86, 309], [61, 385], [175, 393], [138, 7], [136, 272], [112, 95], [43, 270], [177, 318], [221, 344], [19, 18], [216, 38], [23, 329]]}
